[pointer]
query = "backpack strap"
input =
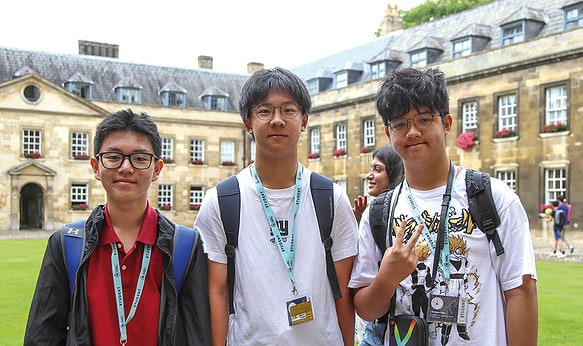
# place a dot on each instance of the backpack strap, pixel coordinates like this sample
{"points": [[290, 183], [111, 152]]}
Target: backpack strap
{"points": [[379, 218], [73, 240], [230, 206], [481, 205], [322, 189], [184, 240]]}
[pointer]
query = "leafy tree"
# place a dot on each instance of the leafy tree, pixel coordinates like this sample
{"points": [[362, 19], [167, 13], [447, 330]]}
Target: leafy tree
{"points": [[430, 10]]}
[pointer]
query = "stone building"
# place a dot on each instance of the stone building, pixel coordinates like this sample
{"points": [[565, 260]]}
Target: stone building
{"points": [[515, 75], [514, 69]]}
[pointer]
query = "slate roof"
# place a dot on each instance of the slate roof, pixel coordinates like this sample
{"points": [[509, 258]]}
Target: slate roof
{"points": [[485, 20], [107, 73]]}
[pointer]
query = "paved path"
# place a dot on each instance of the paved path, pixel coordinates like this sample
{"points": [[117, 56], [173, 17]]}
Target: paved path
{"points": [[543, 241]]}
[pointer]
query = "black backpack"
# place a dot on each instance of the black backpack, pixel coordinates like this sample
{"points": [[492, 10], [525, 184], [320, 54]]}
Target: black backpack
{"points": [[481, 205], [322, 190]]}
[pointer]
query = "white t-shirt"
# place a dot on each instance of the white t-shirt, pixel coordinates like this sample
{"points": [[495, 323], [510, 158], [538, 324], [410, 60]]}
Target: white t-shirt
{"points": [[477, 273], [262, 283]]}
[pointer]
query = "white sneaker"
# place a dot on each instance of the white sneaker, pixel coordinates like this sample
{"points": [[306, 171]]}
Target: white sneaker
{"points": [[561, 255], [553, 254]]}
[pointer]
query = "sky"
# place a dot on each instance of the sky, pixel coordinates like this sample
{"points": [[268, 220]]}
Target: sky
{"points": [[175, 32]]}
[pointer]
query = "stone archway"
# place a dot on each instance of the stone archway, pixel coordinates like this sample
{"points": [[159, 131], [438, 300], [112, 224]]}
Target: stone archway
{"points": [[31, 206]]}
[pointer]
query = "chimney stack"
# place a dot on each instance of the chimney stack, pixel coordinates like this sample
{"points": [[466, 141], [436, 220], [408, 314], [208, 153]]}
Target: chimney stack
{"points": [[391, 21], [252, 67], [106, 50], [205, 61]]}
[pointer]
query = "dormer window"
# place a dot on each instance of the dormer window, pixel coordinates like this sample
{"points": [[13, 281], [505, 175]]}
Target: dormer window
{"points": [[425, 52], [573, 16], [322, 81], [386, 60], [341, 79], [473, 38], [461, 47], [350, 73], [128, 91], [173, 95], [216, 99], [377, 70], [513, 33], [418, 58], [80, 86]]}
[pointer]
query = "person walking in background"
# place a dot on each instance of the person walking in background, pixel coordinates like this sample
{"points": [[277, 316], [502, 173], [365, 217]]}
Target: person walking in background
{"points": [[386, 172], [559, 216], [566, 207], [496, 294], [124, 289], [280, 260]]}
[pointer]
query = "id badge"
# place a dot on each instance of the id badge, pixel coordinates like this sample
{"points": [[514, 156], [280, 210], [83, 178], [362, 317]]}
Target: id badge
{"points": [[299, 310], [447, 309]]}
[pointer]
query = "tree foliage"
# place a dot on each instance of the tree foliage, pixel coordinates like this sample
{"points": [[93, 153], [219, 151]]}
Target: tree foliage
{"points": [[431, 10]]}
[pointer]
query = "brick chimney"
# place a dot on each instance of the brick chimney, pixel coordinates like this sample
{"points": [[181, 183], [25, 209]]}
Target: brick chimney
{"points": [[106, 50], [391, 21], [252, 67], [205, 61]]}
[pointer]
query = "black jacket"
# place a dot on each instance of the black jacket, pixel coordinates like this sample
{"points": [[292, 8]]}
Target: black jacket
{"points": [[56, 319]]}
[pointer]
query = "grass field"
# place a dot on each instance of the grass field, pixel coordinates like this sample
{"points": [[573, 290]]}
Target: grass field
{"points": [[559, 292]]}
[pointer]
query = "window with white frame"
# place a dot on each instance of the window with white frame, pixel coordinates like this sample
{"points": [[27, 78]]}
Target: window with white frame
{"points": [[555, 180], [508, 177], [377, 70], [556, 109], [165, 196], [314, 86], [513, 33], [196, 195], [79, 145], [507, 113], [419, 58], [197, 151], [315, 141], [341, 137], [31, 143], [174, 98], [341, 79], [79, 196], [368, 133], [167, 149], [469, 116], [461, 47], [573, 16], [129, 95], [228, 153]]}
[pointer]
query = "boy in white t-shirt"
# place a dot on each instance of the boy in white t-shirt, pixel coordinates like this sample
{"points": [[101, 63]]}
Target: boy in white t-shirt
{"points": [[496, 293]]}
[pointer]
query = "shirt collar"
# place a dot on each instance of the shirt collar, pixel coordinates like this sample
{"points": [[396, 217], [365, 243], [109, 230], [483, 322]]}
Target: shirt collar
{"points": [[148, 230]]}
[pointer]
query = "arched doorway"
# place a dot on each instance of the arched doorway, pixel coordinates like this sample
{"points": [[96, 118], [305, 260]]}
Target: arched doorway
{"points": [[31, 206]]}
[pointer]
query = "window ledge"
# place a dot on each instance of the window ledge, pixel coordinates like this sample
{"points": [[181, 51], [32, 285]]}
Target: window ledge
{"points": [[505, 139], [554, 134]]}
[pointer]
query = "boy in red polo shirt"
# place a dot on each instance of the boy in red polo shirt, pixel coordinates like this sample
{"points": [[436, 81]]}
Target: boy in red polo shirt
{"points": [[112, 301]]}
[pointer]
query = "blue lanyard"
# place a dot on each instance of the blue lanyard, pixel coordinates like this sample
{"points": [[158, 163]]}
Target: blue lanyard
{"points": [[441, 247], [287, 254], [118, 289]]}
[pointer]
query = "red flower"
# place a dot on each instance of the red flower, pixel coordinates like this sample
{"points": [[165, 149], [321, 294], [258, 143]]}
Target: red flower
{"points": [[466, 140]]}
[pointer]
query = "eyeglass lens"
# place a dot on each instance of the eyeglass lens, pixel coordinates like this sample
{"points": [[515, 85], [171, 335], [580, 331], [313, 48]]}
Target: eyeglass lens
{"points": [[422, 121], [114, 160], [266, 111]]}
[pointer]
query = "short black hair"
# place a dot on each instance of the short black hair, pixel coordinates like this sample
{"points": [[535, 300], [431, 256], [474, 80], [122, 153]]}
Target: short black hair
{"points": [[258, 86], [128, 121], [408, 87]]}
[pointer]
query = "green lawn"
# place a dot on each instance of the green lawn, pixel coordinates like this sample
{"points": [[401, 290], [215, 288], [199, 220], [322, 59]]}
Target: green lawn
{"points": [[559, 292]]}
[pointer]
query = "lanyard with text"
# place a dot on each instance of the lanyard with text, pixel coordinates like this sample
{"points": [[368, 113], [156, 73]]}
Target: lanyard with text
{"points": [[118, 290], [287, 254], [441, 248]]}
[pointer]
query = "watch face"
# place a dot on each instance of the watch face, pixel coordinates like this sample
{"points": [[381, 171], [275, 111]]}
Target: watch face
{"points": [[437, 303]]}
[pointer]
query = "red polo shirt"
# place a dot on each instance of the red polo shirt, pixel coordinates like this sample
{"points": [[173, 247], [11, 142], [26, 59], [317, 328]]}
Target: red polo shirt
{"points": [[142, 329]]}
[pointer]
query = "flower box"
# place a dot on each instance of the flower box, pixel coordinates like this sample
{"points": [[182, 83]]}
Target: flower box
{"points": [[80, 157], [314, 156], [167, 160], [366, 149], [467, 140], [339, 152], [165, 207], [555, 127], [35, 155], [194, 206], [80, 206], [504, 133], [197, 162], [227, 163]]}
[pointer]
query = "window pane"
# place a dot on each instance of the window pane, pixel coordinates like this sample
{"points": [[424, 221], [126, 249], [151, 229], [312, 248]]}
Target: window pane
{"points": [[341, 136], [469, 116], [167, 149], [165, 193], [369, 133], [79, 144], [31, 142], [197, 150], [315, 141], [555, 183], [556, 106], [507, 110], [227, 151]]}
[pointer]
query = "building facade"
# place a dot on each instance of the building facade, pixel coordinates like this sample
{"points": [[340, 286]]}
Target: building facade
{"points": [[514, 70]]}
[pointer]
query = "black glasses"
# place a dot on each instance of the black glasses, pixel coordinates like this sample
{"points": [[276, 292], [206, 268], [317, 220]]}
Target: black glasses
{"points": [[114, 160], [421, 121], [266, 111]]}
